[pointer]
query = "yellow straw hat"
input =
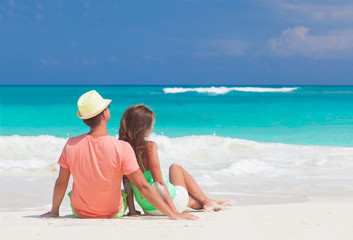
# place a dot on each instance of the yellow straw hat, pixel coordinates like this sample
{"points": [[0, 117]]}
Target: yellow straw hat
{"points": [[91, 104]]}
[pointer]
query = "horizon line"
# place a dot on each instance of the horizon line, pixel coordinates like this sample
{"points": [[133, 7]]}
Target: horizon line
{"points": [[140, 85]]}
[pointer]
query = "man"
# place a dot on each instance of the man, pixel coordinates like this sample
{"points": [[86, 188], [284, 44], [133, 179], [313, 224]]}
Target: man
{"points": [[97, 163]]}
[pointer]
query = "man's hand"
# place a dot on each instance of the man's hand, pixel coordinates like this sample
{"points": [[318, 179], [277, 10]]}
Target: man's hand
{"points": [[50, 214], [184, 216]]}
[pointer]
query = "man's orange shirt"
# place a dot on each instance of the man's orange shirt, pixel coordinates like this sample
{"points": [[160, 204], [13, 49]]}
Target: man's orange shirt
{"points": [[97, 165]]}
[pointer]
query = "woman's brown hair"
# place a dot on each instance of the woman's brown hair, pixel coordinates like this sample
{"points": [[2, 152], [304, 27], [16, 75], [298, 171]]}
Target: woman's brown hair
{"points": [[134, 124]]}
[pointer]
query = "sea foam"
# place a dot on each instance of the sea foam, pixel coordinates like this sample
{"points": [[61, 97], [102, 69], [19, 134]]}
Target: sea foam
{"points": [[224, 90], [207, 153], [222, 164], [215, 162], [29, 154]]}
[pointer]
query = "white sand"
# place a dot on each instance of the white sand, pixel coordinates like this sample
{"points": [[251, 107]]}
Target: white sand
{"points": [[318, 219]]}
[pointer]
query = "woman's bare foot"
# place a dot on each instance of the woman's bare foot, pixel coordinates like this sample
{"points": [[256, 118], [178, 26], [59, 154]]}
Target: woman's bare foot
{"points": [[212, 206], [225, 203]]}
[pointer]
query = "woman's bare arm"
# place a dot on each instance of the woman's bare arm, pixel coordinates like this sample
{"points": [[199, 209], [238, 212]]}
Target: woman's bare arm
{"points": [[154, 167]]}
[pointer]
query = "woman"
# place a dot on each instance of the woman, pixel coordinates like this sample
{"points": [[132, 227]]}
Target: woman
{"points": [[181, 191]]}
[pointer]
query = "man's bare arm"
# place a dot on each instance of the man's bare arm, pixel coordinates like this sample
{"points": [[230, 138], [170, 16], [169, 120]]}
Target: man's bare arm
{"points": [[59, 192]]}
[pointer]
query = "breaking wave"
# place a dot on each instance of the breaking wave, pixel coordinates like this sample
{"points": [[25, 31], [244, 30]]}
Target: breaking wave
{"points": [[229, 156], [224, 90]]}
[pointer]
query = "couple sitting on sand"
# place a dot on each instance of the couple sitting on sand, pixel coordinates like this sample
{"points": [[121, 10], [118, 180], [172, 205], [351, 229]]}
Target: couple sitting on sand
{"points": [[99, 162]]}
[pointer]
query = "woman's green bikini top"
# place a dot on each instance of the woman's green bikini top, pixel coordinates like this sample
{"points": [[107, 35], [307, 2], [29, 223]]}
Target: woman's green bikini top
{"points": [[141, 200]]}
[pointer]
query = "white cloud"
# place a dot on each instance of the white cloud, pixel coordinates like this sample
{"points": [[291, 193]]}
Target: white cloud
{"points": [[50, 62], [153, 58], [12, 14], [16, 10], [229, 47], [89, 62], [113, 59], [221, 47], [203, 54], [12, 3], [60, 4], [343, 13], [86, 4], [40, 6], [298, 42], [39, 17], [86, 62]]}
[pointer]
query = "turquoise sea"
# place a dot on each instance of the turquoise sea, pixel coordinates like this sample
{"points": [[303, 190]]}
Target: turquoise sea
{"points": [[257, 141], [304, 115]]}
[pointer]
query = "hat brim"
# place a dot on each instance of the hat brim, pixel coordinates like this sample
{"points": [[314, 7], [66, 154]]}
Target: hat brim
{"points": [[91, 115]]}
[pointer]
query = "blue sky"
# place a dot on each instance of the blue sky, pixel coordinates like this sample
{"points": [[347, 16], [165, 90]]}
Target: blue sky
{"points": [[213, 42]]}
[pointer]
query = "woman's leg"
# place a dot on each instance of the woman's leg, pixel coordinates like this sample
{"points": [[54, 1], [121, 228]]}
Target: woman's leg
{"points": [[178, 176], [194, 203]]}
